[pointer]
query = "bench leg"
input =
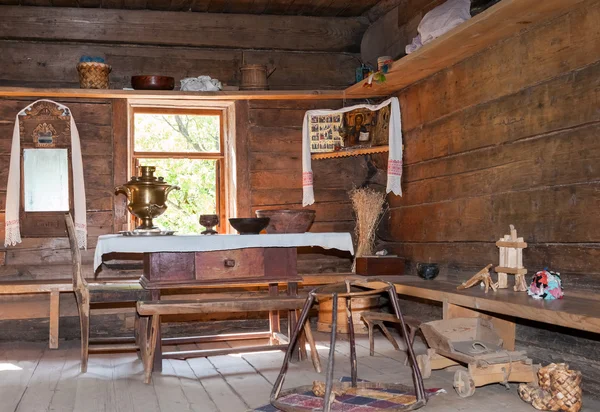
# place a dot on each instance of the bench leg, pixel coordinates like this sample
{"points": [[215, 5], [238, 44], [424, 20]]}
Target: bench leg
{"points": [[314, 355], [505, 328], [371, 338], [158, 358], [274, 323], [389, 336], [300, 352], [54, 318], [148, 335]]}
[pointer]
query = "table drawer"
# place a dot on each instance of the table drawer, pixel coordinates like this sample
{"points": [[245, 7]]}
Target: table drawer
{"points": [[230, 264]]}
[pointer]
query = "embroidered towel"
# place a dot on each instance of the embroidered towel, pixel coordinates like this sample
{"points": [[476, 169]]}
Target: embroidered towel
{"points": [[394, 171], [13, 190]]}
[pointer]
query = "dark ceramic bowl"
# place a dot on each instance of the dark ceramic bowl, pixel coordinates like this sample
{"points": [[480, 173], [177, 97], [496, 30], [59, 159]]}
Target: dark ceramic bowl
{"points": [[288, 220], [152, 82], [249, 226], [428, 271]]}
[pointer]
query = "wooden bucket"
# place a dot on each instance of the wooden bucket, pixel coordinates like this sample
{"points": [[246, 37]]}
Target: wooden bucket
{"points": [[254, 77], [359, 305]]}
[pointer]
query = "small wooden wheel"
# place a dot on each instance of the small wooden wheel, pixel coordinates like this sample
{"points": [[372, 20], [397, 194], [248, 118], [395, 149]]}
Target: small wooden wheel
{"points": [[463, 383], [424, 363]]}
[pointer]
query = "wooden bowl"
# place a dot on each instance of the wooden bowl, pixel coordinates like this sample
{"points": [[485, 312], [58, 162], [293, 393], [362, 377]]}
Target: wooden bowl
{"points": [[250, 225], [288, 220], [152, 82]]}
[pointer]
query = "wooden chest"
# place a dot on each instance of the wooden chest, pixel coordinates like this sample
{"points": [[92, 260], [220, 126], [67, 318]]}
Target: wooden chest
{"points": [[380, 266]]}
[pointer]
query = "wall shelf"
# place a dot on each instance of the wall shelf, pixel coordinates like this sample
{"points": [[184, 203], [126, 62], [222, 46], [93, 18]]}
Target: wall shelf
{"points": [[172, 94], [505, 19], [350, 152]]}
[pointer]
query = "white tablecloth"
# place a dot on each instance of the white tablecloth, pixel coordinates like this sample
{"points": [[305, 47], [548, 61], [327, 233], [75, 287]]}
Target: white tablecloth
{"points": [[204, 243]]}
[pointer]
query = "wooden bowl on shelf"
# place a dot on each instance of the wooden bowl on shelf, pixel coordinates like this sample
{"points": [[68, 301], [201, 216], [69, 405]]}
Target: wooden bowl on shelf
{"points": [[152, 82], [288, 220]]}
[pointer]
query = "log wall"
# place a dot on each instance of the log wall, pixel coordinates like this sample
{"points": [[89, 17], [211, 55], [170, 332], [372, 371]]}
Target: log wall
{"points": [[268, 134], [510, 136], [42, 46]]}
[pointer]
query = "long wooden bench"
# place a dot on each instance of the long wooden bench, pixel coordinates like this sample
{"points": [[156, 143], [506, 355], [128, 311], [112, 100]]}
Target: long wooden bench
{"points": [[577, 312], [54, 288], [150, 313]]}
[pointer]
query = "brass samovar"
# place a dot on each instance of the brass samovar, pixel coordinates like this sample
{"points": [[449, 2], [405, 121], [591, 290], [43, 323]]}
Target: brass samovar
{"points": [[146, 199]]}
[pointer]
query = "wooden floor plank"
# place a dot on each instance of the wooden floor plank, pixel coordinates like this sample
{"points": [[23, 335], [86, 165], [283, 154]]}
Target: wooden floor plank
{"points": [[131, 393], [223, 396], [95, 391], [233, 383], [66, 389], [18, 365], [193, 389], [42, 385], [171, 397], [252, 387]]}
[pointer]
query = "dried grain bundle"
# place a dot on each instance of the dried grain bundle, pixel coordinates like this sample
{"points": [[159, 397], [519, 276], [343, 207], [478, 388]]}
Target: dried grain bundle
{"points": [[368, 207]]}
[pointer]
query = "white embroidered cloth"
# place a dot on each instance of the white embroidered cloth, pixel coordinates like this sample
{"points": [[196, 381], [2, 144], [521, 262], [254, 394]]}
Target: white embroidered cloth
{"points": [[13, 190], [204, 243], [394, 171]]}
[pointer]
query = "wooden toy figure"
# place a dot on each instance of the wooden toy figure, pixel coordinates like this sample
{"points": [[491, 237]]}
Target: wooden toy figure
{"points": [[511, 261]]}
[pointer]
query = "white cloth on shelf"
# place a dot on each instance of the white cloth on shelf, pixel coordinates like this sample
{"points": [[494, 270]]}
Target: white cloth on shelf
{"points": [[204, 243], [394, 171], [200, 84], [13, 190], [440, 20]]}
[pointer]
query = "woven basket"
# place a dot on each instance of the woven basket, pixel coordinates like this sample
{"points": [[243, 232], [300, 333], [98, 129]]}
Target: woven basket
{"points": [[560, 389], [93, 75]]}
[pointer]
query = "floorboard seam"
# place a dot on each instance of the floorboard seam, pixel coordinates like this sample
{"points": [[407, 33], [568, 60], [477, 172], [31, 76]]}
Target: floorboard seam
{"points": [[228, 384]]}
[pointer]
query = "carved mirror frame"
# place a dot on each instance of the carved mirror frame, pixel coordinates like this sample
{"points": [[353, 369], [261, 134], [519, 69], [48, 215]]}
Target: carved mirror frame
{"points": [[45, 125]]}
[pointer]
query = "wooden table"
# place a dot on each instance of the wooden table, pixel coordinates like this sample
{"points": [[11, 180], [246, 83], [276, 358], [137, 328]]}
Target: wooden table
{"points": [[221, 261], [501, 307]]}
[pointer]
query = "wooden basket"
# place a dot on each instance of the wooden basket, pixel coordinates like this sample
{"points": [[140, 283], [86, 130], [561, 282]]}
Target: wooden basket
{"points": [[559, 389], [93, 75]]}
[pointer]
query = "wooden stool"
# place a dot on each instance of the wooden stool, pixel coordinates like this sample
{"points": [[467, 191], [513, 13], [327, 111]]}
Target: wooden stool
{"points": [[377, 318]]}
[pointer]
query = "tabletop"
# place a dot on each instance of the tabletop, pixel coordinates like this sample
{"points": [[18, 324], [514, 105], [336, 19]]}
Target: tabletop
{"points": [[204, 243]]}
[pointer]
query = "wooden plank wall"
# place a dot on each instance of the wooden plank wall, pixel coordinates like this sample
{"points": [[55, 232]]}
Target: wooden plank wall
{"points": [[274, 152], [508, 136], [269, 136], [42, 46], [511, 136]]}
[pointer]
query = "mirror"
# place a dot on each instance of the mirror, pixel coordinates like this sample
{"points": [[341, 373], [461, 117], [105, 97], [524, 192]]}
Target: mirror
{"points": [[46, 180]]}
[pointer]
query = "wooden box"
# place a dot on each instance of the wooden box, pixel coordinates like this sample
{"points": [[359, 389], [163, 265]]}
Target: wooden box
{"points": [[380, 266]]}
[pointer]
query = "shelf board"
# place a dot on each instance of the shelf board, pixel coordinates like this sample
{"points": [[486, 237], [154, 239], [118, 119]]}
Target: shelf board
{"points": [[350, 152], [172, 94], [504, 19]]}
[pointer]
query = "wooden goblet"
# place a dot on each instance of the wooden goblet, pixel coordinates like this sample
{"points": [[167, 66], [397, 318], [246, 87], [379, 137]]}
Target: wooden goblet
{"points": [[209, 221]]}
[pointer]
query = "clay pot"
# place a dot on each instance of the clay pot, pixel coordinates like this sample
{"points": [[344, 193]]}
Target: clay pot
{"points": [[428, 271], [287, 220]]}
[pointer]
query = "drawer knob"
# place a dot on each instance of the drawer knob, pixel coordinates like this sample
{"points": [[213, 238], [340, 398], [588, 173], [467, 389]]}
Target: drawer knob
{"points": [[229, 263]]}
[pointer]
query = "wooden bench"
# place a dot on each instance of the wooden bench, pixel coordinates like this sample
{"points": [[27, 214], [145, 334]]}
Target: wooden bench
{"points": [[54, 288], [575, 311], [378, 318], [151, 311]]}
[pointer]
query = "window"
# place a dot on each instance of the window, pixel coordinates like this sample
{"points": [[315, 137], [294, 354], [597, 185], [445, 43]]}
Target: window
{"points": [[186, 146]]}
